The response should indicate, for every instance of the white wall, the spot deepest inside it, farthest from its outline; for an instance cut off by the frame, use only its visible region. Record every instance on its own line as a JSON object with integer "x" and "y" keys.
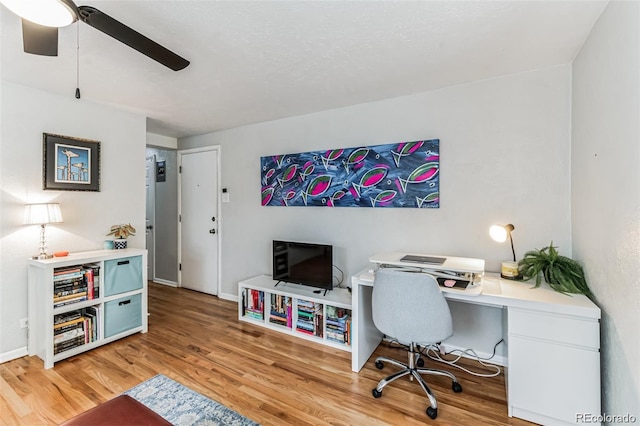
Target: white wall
{"x": 25, "y": 114}
{"x": 505, "y": 155}
{"x": 161, "y": 141}
{"x": 504, "y": 158}
{"x": 606, "y": 193}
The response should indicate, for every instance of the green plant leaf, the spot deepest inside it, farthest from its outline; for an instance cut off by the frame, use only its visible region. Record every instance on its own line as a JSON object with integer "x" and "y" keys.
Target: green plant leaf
{"x": 562, "y": 273}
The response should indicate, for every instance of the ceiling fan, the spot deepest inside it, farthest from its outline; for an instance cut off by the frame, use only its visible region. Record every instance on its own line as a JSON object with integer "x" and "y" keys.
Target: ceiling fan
{"x": 42, "y": 18}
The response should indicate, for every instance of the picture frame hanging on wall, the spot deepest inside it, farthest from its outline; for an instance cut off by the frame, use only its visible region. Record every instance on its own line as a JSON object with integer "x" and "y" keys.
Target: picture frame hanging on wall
{"x": 402, "y": 174}
{"x": 70, "y": 164}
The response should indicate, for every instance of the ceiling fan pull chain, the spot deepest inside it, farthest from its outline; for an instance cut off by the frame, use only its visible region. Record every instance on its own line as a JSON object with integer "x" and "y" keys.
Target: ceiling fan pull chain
{"x": 78, "y": 60}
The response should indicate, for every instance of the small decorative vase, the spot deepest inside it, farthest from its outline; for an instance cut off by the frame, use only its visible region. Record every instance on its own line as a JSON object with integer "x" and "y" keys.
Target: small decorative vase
{"x": 120, "y": 244}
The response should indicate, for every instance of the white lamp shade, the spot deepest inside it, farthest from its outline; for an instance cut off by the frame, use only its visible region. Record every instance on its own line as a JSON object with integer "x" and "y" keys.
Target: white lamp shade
{"x": 498, "y": 233}
{"x": 50, "y": 13}
{"x": 41, "y": 214}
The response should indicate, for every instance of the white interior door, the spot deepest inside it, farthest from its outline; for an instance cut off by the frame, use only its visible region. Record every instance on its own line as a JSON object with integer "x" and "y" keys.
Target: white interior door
{"x": 150, "y": 179}
{"x": 199, "y": 219}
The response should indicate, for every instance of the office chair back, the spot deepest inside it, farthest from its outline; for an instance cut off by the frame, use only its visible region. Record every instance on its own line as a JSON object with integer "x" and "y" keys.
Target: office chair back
{"x": 410, "y": 307}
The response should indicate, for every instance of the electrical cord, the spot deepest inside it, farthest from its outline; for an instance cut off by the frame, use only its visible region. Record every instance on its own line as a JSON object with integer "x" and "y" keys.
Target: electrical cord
{"x": 341, "y": 279}
{"x": 434, "y": 353}
{"x": 437, "y": 356}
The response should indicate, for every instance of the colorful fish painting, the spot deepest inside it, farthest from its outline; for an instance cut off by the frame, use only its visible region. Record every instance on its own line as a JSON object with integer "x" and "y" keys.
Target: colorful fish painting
{"x": 316, "y": 187}
{"x": 267, "y": 195}
{"x": 383, "y": 198}
{"x": 425, "y": 172}
{"x": 370, "y": 178}
{"x": 356, "y": 158}
{"x": 330, "y": 156}
{"x": 307, "y": 169}
{"x": 405, "y": 149}
{"x": 404, "y": 174}
{"x": 288, "y": 174}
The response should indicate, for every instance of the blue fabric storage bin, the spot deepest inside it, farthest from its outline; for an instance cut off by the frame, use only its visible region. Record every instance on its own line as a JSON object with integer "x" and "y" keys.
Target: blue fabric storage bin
{"x": 122, "y": 315}
{"x": 122, "y": 275}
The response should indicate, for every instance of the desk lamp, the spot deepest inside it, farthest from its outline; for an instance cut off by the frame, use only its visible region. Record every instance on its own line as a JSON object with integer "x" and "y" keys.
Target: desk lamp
{"x": 499, "y": 233}
{"x": 42, "y": 214}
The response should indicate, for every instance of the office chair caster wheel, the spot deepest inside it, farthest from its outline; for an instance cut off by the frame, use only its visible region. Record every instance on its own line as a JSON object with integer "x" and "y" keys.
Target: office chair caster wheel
{"x": 376, "y": 393}
{"x": 379, "y": 365}
{"x": 457, "y": 388}
{"x": 432, "y": 412}
{"x": 420, "y": 362}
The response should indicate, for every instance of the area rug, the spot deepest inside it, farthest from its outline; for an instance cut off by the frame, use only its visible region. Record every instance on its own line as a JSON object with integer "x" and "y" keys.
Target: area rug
{"x": 182, "y": 406}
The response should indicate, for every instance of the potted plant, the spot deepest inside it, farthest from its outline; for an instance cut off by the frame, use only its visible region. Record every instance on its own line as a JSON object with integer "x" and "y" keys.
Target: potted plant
{"x": 121, "y": 233}
{"x": 563, "y": 274}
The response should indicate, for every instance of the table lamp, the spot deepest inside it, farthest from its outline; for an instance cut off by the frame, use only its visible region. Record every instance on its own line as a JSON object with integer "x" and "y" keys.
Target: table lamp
{"x": 500, "y": 233}
{"x": 42, "y": 214}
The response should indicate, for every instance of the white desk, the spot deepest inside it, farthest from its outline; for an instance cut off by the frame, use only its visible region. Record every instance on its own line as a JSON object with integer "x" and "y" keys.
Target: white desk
{"x": 553, "y": 345}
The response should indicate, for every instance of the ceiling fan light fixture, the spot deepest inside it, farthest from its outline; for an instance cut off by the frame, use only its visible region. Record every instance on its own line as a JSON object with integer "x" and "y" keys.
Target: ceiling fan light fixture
{"x": 49, "y": 13}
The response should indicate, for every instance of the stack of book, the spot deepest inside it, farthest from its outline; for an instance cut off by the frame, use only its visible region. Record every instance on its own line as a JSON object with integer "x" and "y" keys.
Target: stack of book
{"x": 280, "y": 313}
{"x": 75, "y": 328}
{"x": 253, "y": 303}
{"x": 339, "y": 325}
{"x": 75, "y": 284}
{"x": 309, "y": 318}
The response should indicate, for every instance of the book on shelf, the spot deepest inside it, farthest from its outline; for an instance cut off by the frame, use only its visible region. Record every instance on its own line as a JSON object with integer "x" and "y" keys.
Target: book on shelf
{"x": 253, "y": 314}
{"x": 66, "y": 317}
{"x": 253, "y": 300}
{"x": 66, "y": 270}
{"x": 70, "y": 295}
{"x": 92, "y": 279}
{"x": 66, "y": 302}
{"x": 63, "y": 336}
{"x": 281, "y": 310}
{"x": 88, "y": 279}
{"x": 76, "y": 284}
{"x": 76, "y": 328}
{"x": 68, "y": 290}
{"x": 309, "y": 317}
{"x": 93, "y": 315}
{"x": 66, "y": 325}
{"x": 67, "y": 276}
{"x": 69, "y": 344}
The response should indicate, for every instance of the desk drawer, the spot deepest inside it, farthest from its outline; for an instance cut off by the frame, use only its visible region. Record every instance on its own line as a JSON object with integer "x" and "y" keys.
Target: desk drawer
{"x": 569, "y": 330}
{"x": 122, "y": 315}
{"x": 121, "y": 275}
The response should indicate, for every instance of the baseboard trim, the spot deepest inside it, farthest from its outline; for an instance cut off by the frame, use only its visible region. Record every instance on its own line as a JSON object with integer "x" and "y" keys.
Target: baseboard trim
{"x": 165, "y": 282}
{"x": 226, "y": 296}
{"x": 14, "y": 354}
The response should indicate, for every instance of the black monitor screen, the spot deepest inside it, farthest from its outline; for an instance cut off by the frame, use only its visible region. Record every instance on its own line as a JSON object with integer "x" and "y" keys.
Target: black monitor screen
{"x": 303, "y": 263}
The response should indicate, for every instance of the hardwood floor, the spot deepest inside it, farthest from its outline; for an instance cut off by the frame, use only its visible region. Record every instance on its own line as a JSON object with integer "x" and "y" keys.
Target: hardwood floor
{"x": 269, "y": 377}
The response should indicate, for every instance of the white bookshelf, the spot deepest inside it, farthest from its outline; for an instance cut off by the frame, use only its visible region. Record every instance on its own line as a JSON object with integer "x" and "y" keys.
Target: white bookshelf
{"x": 121, "y": 303}
{"x": 336, "y": 300}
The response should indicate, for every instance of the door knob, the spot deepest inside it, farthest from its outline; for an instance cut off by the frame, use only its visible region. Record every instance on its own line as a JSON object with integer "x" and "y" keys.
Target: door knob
{"x": 213, "y": 219}
{"x": 212, "y": 231}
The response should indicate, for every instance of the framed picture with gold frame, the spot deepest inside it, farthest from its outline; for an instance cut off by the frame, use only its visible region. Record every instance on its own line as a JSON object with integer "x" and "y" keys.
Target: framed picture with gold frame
{"x": 70, "y": 164}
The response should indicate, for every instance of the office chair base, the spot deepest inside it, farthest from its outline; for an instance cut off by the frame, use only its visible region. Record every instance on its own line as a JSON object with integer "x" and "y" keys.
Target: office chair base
{"x": 432, "y": 412}
{"x": 414, "y": 373}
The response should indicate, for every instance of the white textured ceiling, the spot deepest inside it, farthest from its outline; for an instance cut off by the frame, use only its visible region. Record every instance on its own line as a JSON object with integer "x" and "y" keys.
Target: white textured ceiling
{"x": 254, "y": 61}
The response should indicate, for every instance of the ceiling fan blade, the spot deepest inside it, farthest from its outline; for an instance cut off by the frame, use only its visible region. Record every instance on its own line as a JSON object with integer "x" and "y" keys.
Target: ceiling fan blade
{"x": 38, "y": 39}
{"x": 130, "y": 37}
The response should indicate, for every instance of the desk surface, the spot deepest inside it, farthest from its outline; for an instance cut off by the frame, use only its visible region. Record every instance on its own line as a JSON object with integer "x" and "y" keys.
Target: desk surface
{"x": 499, "y": 292}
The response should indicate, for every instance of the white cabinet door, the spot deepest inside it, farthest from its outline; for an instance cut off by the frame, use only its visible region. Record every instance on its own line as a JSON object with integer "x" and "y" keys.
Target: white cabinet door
{"x": 554, "y": 367}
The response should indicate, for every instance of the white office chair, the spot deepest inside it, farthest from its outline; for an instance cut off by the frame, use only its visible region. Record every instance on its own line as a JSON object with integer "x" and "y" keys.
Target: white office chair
{"x": 409, "y": 307}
